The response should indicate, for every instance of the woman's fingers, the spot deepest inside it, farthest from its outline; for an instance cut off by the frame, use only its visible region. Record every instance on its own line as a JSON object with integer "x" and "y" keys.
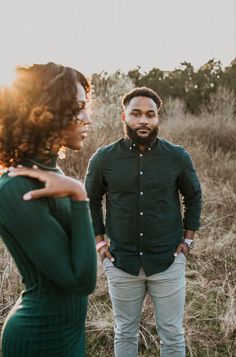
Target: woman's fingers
{"x": 56, "y": 185}
{"x": 34, "y": 173}
{"x": 50, "y": 180}
{"x": 32, "y": 195}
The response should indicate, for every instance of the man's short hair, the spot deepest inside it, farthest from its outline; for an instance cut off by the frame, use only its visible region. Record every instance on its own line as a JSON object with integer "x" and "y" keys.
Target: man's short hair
{"x": 141, "y": 92}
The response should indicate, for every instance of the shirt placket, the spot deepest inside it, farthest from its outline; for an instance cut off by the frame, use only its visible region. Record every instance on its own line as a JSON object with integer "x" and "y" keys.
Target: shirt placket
{"x": 141, "y": 207}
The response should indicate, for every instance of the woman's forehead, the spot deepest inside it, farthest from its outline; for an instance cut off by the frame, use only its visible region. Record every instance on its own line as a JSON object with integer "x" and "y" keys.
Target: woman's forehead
{"x": 81, "y": 94}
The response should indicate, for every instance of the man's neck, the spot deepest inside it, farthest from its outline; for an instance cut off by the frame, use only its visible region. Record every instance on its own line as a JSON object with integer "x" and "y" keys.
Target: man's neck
{"x": 142, "y": 147}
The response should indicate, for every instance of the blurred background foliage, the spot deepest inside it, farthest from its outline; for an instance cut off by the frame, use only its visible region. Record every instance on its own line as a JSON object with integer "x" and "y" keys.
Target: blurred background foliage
{"x": 199, "y": 113}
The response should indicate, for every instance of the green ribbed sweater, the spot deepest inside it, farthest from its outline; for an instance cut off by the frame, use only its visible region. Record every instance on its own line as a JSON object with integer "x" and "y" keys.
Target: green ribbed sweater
{"x": 52, "y": 243}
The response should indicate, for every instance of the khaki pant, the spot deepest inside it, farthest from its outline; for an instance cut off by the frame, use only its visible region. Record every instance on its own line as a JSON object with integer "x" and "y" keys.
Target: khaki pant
{"x": 167, "y": 291}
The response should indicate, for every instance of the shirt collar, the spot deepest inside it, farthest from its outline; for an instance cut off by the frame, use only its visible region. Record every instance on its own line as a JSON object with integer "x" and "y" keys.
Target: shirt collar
{"x": 131, "y": 145}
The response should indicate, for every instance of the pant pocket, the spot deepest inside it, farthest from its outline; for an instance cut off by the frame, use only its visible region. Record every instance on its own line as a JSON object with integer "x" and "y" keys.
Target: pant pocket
{"x": 183, "y": 256}
{"x": 107, "y": 263}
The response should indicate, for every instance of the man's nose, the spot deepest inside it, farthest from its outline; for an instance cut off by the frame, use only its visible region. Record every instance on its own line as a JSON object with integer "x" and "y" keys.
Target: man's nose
{"x": 143, "y": 119}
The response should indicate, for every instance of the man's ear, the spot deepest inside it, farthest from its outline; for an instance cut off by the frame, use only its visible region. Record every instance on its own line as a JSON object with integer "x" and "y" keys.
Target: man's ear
{"x": 123, "y": 116}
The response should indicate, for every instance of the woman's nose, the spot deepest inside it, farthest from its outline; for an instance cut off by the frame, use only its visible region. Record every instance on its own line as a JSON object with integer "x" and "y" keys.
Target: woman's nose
{"x": 84, "y": 117}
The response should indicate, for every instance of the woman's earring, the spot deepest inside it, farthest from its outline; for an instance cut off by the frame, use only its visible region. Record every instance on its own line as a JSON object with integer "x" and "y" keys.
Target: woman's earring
{"x": 62, "y": 153}
{"x": 47, "y": 149}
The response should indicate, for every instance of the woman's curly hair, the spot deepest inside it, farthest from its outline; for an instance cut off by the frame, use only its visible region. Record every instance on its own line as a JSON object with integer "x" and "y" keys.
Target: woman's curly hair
{"x": 35, "y": 110}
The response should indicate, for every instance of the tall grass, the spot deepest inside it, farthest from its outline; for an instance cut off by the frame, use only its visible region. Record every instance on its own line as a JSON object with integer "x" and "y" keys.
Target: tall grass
{"x": 210, "y": 318}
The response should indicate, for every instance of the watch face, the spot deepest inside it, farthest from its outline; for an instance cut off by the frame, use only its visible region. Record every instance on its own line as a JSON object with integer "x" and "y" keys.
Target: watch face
{"x": 191, "y": 245}
{"x": 189, "y": 242}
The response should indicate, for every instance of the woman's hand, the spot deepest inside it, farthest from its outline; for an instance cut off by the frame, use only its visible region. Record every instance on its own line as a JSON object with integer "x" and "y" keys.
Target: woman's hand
{"x": 56, "y": 185}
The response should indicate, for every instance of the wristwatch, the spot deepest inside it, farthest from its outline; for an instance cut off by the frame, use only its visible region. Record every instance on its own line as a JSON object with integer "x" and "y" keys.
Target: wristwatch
{"x": 189, "y": 242}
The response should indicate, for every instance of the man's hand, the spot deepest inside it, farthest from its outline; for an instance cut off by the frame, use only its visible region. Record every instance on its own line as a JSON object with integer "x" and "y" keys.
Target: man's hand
{"x": 104, "y": 252}
{"x": 182, "y": 247}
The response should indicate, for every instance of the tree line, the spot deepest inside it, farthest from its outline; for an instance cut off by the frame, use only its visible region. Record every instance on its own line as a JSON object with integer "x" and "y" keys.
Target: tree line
{"x": 194, "y": 88}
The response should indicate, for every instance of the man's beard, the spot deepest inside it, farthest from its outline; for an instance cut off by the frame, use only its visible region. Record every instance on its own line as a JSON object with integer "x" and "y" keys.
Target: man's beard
{"x": 133, "y": 135}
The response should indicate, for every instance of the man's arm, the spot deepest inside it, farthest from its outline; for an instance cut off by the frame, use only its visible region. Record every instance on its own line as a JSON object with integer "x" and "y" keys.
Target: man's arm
{"x": 96, "y": 187}
{"x": 188, "y": 234}
{"x": 189, "y": 187}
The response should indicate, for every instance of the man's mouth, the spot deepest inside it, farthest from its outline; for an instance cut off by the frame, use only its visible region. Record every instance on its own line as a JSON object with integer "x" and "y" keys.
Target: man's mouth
{"x": 143, "y": 130}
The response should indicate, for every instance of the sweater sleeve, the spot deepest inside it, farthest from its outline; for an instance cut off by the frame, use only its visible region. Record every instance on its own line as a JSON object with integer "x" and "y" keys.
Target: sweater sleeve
{"x": 190, "y": 188}
{"x": 96, "y": 188}
{"x": 70, "y": 262}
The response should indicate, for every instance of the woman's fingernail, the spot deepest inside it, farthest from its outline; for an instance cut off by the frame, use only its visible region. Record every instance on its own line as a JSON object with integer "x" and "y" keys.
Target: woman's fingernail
{"x": 35, "y": 167}
{"x": 27, "y": 197}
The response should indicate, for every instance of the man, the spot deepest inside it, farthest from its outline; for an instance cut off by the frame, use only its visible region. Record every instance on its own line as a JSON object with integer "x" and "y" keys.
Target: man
{"x": 143, "y": 177}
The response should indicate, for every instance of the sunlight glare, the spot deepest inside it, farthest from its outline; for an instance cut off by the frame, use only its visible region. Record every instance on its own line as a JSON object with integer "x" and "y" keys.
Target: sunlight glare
{"x": 7, "y": 75}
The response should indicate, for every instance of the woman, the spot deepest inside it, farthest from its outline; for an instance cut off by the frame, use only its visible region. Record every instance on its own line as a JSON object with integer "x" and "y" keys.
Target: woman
{"x": 44, "y": 215}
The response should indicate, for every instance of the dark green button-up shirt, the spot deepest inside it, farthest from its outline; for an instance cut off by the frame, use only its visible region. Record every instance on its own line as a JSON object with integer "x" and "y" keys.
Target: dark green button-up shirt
{"x": 144, "y": 216}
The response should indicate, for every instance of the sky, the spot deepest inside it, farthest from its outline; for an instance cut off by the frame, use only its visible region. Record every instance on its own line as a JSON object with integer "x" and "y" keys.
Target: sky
{"x": 107, "y": 35}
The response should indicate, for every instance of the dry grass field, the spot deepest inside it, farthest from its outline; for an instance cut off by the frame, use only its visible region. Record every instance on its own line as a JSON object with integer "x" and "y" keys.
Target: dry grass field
{"x": 210, "y": 319}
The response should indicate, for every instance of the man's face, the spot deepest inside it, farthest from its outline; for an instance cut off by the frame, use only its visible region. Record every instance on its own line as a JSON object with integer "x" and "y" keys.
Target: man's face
{"x": 141, "y": 120}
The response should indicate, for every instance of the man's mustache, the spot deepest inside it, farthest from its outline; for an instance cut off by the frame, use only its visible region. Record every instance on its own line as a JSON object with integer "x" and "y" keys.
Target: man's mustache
{"x": 142, "y": 127}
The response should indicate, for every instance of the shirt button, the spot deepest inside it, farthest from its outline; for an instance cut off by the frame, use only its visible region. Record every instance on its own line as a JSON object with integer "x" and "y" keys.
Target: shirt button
{"x": 141, "y": 193}
{"x": 130, "y": 148}
{"x": 141, "y": 155}
{"x": 141, "y": 213}
{"x": 141, "y": 234}
{"x": 141, "y": 172}
{"x": 149, "y": 149}
{"x": 141, "y": 253}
